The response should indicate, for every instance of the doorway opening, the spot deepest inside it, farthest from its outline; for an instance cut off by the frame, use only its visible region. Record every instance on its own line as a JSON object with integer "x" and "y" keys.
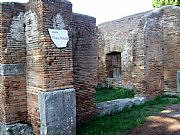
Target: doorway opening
{"x": 113, "y": 65}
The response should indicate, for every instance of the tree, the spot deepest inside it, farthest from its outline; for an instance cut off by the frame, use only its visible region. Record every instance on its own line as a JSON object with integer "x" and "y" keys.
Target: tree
{"x": 159, "y": 3}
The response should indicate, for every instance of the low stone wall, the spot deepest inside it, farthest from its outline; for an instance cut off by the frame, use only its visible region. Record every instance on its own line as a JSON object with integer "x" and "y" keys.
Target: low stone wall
{"x": 118, "y": 105}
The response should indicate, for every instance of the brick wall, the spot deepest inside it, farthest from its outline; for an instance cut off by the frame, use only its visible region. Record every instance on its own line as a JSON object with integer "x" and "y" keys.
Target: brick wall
{"x": 25, "y": 37}
{"x": 31, "y": 63}
{"x": 2, "y": 93}
{"x": 34, "y": 70}
{"x": 171, "y": 28}
{"x": 161, "y": 49}
{"x": 138, "y": 69}
{"x": 122, "y": 36}
{"x": 13, "y": 63}
{"x": 57, "y": 62}
{"x": 84, "y": 65}
{"x": 149, "y": 46}
{"x": 153, "y": 51}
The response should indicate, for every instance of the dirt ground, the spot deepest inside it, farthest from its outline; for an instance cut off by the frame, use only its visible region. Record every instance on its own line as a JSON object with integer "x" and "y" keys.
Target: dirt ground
{"x": 166, "y": 123}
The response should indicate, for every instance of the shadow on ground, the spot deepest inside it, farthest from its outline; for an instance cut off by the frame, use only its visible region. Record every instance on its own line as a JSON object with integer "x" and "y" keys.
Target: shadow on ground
{"x": 166, "y": 123}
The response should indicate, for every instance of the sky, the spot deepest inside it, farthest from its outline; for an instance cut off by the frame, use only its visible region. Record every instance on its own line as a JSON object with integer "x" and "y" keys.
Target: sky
{"x": 106, "y": 10}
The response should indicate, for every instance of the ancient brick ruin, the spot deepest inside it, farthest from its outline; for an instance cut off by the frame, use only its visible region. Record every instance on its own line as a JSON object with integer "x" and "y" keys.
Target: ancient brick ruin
{"x": 52, "y": 88}
{"x": 38, "y": 80}
{"x": 149, "y": 45}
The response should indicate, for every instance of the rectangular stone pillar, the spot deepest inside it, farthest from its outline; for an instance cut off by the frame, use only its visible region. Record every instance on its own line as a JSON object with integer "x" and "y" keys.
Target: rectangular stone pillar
{"x": 50, "y": 97}
{"x": 58, "y": 112}
{"x": 178, "y": 81}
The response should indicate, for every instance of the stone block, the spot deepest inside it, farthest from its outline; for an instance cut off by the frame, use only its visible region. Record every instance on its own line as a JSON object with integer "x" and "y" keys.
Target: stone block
{"x": 57, "y": 112}
{"x": 118, "y": 105}
{"x": 16, "y": 129}
{"x": 12, "y": 69}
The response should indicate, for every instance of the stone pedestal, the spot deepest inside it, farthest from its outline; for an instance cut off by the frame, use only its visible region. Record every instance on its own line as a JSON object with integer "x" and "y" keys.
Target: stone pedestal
{"x": 16, "y": 129}
{"x": 178, "y": 81}
{"x": 58, "y": 112}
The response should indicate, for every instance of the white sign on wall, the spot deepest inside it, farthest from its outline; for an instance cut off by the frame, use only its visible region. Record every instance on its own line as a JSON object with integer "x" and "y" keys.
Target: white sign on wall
{"x": 59, "y": 37}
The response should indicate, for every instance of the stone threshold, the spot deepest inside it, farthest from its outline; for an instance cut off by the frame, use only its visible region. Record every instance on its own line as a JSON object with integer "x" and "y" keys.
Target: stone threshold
{"x": 118, "y": 105}
{"x": 172, "y": 93}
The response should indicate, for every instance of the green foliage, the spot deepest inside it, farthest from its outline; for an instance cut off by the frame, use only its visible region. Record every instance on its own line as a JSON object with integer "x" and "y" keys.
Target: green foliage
{"x": 125, "y": 121}
{"x": 159, "y": 3}
{"x": 106, "y": 94}
{"x": 10, "y": 131}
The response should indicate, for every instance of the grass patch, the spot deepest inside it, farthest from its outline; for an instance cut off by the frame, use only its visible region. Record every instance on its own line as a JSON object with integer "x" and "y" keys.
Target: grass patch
{"x": 119, "y": 123}
{"x": 105, "y": 94}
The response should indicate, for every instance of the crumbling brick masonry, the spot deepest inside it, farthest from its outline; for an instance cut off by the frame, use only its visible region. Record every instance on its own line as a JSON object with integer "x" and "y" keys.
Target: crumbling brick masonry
{"x": 41, "y": 83}
{"x": 149, "y": 44}
{"x": 48, "y": 87}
